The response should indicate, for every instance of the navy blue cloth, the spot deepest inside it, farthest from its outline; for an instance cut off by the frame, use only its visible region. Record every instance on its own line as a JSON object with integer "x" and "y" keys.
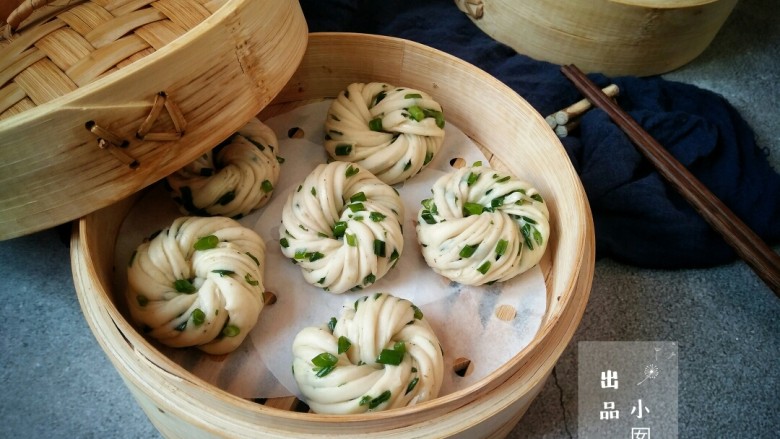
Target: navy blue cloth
{"x": 639, "y": 219}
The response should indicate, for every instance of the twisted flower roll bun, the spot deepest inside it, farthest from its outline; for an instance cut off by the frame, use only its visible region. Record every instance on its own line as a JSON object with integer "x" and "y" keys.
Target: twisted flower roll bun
{"x": 233, "y": 179}
{"x": 482, "y": 226}
{"x": 198, "y": 283}
{"x": 392, "y": 132}
{"x": 379, "y": 355}
{"x": 342, "y": 226}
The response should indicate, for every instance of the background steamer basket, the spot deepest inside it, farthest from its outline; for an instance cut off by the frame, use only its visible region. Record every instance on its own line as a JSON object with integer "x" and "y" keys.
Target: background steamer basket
{"x": 101, "y": 98}
{"x": 511, "y": 133}
{"x": 614, "y": 37}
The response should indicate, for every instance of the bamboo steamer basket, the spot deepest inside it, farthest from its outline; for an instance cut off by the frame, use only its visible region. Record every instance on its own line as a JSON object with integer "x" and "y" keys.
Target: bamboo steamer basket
{"x": 512, "y": 135}
{"x": 614, "y": 37}
{"x": 101, "y": 98}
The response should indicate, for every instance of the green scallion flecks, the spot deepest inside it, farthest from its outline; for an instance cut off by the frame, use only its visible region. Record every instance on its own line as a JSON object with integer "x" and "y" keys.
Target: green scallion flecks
{"x": 416, "y": 113}
{"x": 343, "y": 344}
{"x": 324, "y": 363}
{"x": 198, "y": 317}
{"x": 468, "y": 250}
{"x": 351, "y": 170}
{"x": 184, "y": 286}
{"x": 250, "y": 280}
{"x": 343, "y": 149}
{"x": 231, "y": 330}
{"x": 206, "y": 243}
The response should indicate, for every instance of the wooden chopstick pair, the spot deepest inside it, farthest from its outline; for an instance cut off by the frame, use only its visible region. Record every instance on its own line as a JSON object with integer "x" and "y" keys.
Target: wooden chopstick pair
{"x": 749, "y": 246}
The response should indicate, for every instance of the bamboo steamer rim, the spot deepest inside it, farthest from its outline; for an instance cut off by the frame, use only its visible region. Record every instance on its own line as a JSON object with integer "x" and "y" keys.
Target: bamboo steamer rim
{"x": 575, "y": 289}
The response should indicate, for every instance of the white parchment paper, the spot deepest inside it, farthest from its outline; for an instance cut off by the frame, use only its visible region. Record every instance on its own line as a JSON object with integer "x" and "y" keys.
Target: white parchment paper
{"x": 463, "y": 317}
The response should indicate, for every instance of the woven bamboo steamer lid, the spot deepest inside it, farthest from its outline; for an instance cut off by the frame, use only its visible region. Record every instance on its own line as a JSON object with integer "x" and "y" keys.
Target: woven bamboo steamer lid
{"x": 615, "y": 37}
{"x": 514, "y": 137}
{"x": 101, "y": 98}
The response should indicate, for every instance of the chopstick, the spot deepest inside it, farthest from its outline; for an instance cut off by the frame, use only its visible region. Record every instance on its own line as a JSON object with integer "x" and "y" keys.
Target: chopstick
{"x": 749, "y": 246}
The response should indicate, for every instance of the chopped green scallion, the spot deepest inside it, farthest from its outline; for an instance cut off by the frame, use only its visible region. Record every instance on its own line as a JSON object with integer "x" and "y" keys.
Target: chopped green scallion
{"x": 501, "y": 247}
{"x": 357, "y": 207}
{"x": 468, "y": 250}
{"x": 332, "y": 323}
{"x": 257, "y": 261}
{"x": 360, "y": 196}
{"x": 227, "y": 198}
{"x": 413, "y": 96}
{"x": 472, "y": 178}
{"x": 231, "y": 331}
{"x": 418, "y": 314}
{"x": 284, "y": 242}
{"x": 526, "y": 231}
{"x": 343, "y": 149}
{"x": 436, "y": 115}
{"x": 376, "y": 402}
{"x": 351, "y": 240}
{"x": 484, "y": 267}
{"x": 223, "y": 273}
{"x": 416, "y": 113}
{"x": 339, "y": 228}
{"x": 472, "y": 209}
{"x": 184, "y": 286}
{"x": 377, "y": 217}
{"x": 267, "y": 186}
{"x": 412, "y": 385}
{"x": 379, "y": 248}
{"x": 344, "y": 344}
{"x": 198, "y": 316}
{"x": 375, "y": 124}
{"x": 390, "y": 357}
{"x": 206, "y": 243}
{"x": 250, "y": 280}
{"x": 324, "y": 363}
{"x": 351, "y": 171}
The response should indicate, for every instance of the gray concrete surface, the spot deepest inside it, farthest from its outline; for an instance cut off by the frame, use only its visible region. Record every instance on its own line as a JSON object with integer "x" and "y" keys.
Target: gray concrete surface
{"x": 58, "y": 383}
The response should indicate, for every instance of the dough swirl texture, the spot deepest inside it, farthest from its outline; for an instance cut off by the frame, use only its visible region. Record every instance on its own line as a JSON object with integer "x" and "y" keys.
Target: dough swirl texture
{"x": 380, "y": 354}
{"x": 198, "y": 283}
{"x": 392, "y": 132}
{"x": 342, "y": 226}
{"x": 233, "y": 179}
{"x": 482, "y": 226}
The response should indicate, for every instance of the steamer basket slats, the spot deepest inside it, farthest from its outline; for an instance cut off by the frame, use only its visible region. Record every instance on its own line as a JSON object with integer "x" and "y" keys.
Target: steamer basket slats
{"x": 180, "y": 404}
{"x": 102, "y": 63}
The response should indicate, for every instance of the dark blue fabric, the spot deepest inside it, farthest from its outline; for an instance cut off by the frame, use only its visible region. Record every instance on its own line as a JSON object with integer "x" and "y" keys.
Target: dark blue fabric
{"x": 639, "y": 219}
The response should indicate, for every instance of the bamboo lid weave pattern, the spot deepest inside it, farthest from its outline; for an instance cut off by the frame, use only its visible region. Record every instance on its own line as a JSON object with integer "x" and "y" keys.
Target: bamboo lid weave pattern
{"x": 87, "y": 41}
